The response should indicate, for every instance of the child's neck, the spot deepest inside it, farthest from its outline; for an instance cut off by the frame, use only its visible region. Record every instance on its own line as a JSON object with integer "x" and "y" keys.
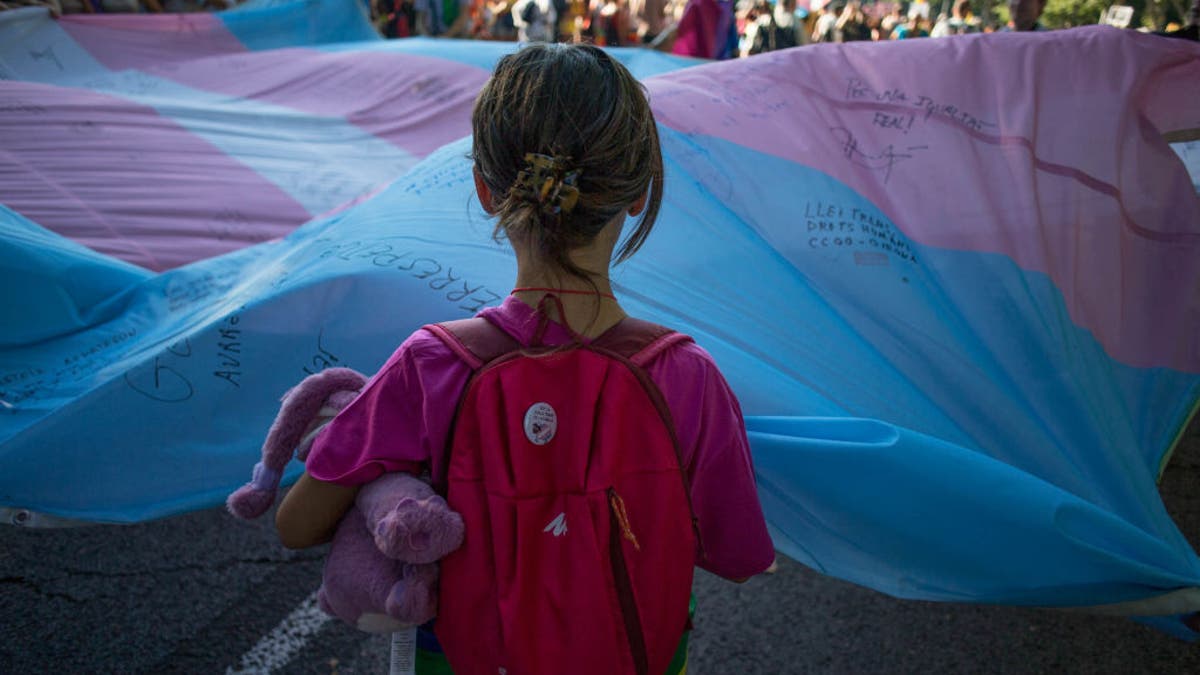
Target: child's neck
{"x": 590, "y": 310}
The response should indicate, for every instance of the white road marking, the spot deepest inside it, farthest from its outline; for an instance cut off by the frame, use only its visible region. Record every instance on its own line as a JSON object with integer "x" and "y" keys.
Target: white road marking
{"x": 281, "y": 645}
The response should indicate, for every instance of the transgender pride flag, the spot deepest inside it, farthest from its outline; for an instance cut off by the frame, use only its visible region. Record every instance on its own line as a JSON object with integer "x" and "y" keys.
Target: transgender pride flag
{"x": 955, "y": 283}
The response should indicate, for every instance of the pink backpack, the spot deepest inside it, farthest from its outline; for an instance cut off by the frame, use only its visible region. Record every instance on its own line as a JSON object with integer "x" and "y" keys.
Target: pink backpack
{"x": 580, "y": 539}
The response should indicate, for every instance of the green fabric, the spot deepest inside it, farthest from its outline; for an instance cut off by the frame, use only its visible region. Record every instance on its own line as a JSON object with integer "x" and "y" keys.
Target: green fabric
{"x": 432, "y": 663}
{"x": 679, "y": 662}
{"x": 450, "y": 9}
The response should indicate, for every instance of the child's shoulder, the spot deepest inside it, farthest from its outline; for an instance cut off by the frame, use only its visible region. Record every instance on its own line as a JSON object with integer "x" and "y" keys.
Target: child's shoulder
{"x": 425, "y": 343}
{"x": 421, "y": 350}
{"x": 684, "y": 356}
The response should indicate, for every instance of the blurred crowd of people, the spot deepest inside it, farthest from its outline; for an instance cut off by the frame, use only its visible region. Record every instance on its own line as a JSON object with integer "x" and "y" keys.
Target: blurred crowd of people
{"x": 703, "y": 28}
{"x": 713, "y": 29}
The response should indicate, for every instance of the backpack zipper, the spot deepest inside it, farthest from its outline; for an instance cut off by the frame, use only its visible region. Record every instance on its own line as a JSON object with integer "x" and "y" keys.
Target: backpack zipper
{"x": 660, "y": 404}
{"x": 619, "y": 529}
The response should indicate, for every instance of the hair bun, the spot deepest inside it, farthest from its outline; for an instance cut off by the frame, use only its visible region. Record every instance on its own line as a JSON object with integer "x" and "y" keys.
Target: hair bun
{"x": 547, "y": 181}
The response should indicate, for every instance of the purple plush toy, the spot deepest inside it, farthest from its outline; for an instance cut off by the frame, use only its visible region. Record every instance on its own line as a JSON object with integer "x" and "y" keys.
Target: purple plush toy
{"x": 381, "y": 573}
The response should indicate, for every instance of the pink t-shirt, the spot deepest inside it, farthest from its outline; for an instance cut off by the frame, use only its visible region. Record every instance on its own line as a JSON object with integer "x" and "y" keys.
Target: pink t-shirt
{"x": 401, "y": 422}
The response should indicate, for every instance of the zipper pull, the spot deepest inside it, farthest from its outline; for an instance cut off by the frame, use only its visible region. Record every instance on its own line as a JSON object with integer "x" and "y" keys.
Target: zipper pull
{"x": 618, "y": 508}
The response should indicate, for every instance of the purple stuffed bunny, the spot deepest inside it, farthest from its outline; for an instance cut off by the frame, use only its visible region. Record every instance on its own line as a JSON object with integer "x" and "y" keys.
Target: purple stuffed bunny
{"x": 381, "y": 573}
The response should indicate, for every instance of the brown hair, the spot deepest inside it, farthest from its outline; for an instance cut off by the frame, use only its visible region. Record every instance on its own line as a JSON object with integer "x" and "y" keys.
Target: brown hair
{"x": 575, "y": 104}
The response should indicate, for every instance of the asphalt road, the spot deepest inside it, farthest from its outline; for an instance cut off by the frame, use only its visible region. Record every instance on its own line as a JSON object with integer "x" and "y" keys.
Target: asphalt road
{"x": 204, "y": 593}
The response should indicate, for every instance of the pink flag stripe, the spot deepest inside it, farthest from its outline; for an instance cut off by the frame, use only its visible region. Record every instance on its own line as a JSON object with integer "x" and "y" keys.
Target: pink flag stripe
{"x": 993, "y": 153}
{"x": 193, "y": 201}
{"x": 418, "y": 103}
{"x": 140, "y": 41}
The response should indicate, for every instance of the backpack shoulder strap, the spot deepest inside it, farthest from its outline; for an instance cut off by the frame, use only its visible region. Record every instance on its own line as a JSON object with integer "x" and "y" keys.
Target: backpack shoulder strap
{"x": 639, "y": 341}
{"x": 476, "y": 341}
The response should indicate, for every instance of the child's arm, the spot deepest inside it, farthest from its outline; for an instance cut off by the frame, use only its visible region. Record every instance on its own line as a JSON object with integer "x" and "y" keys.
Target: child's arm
{"x": 311, "y": 510}
{"x": 385, "y": 429}
{"x": 770, "y": 570}
{"x": 734, "y": 542}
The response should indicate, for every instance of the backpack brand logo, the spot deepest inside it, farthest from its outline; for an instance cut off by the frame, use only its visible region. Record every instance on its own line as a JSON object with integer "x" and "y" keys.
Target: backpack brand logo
{"x": 540, "y": 423}
{"x": 558, "y": 526}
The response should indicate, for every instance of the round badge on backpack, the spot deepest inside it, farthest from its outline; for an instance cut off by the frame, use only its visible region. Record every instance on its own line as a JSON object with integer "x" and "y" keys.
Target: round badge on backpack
{"x": 540, "y": 423}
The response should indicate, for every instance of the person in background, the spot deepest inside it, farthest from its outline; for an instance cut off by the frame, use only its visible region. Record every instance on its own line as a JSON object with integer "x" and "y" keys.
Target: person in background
{"x": 707, "y": 30}
{"x": 873, "y": 22}
{"x": 774, "y": 29}
{"x": 825, "y": 29}
{"x": 577, "y": 23}
{"x": 564, "y": 11}
{"x": 395, "y": 18}
{"x": 1191, "y": 31}
{"x": 960, "y": 21}
{"x": 916, "y": 26}
{"x": 497, "y": 21}
{"x": 443, "y": 18}
{"x": 649, "y": 18}
{"x": 852, "y": 25}
{"x": 1024, "y": 15}
{"x": 536, "y": 20}
{"x": 611, "y": 24}
{"x": 893, "y": 20}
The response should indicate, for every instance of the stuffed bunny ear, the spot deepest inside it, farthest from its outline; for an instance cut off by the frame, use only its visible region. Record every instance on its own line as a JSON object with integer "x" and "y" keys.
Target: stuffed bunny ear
{"x": 301, "y": 409}
{"x": 333, "y": 405}
{"x": 254, "y": 498}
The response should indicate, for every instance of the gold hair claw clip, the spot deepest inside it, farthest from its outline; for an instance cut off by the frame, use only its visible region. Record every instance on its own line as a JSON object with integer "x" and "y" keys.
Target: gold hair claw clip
{"x": 546, "y": 181}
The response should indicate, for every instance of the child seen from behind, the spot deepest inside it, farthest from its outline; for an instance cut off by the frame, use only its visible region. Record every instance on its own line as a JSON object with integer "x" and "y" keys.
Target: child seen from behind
{"x": 595, "y": 458}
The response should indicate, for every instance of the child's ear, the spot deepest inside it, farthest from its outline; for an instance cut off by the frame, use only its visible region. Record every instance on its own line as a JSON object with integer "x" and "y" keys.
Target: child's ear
{"x": 485, "y": 194}
{"x": 638, "y": 205}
